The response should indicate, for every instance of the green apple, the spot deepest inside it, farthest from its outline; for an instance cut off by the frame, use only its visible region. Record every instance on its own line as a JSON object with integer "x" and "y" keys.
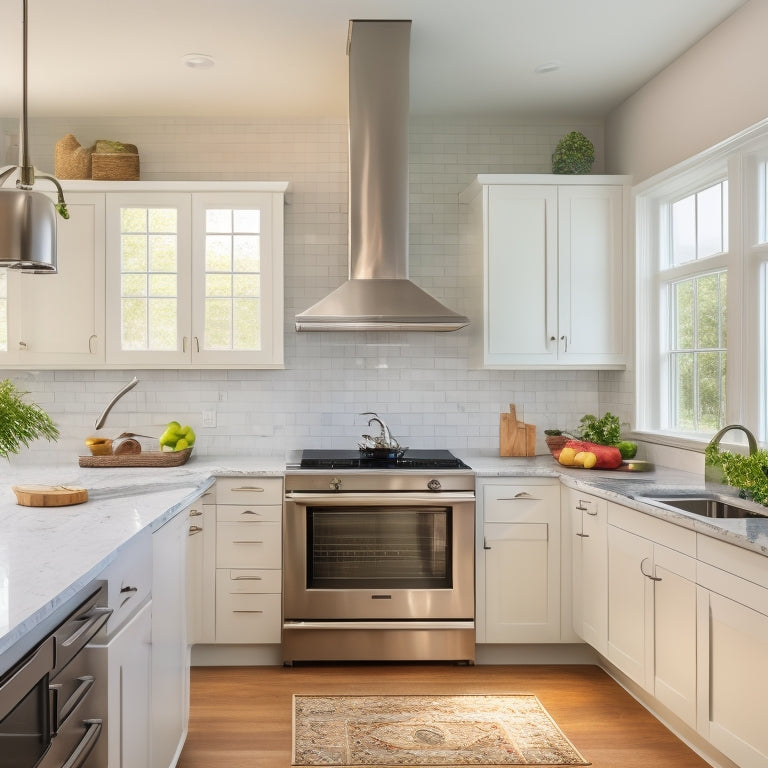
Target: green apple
{"x": 181, "y": 444}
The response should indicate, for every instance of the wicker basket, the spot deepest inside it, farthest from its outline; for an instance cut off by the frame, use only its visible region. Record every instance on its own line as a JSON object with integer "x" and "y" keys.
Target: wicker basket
{"x": 71, "y": 160}
{"x": 555, "y": 442}
{"x": 148, "y": 459}
{"x": 114, "y": 166}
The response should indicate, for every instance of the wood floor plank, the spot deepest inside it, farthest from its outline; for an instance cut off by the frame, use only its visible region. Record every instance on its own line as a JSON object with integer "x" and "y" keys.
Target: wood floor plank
{"x": 240, "y": 717}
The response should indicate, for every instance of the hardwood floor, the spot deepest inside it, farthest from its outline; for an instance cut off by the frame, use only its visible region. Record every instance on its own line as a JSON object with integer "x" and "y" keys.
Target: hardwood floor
{"x": 241, "y": 716}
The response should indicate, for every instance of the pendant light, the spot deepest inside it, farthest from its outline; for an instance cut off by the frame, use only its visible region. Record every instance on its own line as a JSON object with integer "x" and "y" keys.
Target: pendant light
{"x": 28, "y": 218}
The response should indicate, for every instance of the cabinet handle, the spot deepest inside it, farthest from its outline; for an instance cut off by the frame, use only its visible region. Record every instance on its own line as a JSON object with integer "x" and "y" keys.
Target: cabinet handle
{"x": 648, "y": 575}
{"x": 247, "y": 541}
{"x": 250, "y": 512}
{"x": 244, "y": 611}
{"x": 247, "y": 578}
{"x": 193, "y": 529}
{"x": 128, "y": 590}
{"x": 197, "y": 343}
{"x": 485, "y": 544}
{"x": 583, "y": 535}
{"x": 23, "y": 346}
{"x": 552, "y": 338}
{"x": 93, "y": 337}
{"x": 565, "y": 339}
{"x": 195, "y": 513}
{"x": 592, "y": 513}
{"x": 183, "y": 343}
{"x": 520, "y": 495}
{"x": 249, "y": 488}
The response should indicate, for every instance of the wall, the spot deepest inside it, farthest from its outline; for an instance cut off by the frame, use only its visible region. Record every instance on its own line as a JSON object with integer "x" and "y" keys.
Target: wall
{"x": 420, "y": 383}
{"x": 713, "y": 91}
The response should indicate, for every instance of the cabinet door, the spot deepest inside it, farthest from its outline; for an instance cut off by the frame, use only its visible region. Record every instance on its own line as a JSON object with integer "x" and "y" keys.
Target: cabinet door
{"x": 733, "y": 648}
{"x": 590, "y": 568}
{"x": 520, "y": 291}
{"x": 591, "y": 293}
{"x": 630, "y": 596}
{"x": 674, "y": 653}
{"x": 237, "y": 285}
{"x": 148, "y": 278}
{"x": 170, "y": 664}
{"x": 61, "y": 316}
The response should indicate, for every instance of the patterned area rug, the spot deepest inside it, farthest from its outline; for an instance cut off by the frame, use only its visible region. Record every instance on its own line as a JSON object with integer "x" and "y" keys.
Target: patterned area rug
{"x": 462, "y": 730}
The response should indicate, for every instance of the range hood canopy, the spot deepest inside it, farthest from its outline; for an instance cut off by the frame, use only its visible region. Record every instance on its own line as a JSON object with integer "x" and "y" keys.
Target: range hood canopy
{"x": 378, "y": 296}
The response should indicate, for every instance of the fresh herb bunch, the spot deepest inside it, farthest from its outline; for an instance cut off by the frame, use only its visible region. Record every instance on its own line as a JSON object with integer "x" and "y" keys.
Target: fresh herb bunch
{"x": 604, "y": 431}
{"x": 21, "y": 422}
{"x": 748, "y": 473}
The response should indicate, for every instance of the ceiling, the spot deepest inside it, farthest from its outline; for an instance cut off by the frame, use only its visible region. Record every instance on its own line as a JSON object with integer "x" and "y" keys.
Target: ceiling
{"x": 287, "y": 58}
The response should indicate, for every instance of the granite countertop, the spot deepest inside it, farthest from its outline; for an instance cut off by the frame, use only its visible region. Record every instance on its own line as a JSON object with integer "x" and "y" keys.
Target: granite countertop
{"x": 47, "y": 554}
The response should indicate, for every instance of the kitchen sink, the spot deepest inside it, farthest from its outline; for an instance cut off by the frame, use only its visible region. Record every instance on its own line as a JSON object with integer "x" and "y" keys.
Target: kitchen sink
{"x": 711, "y": 506}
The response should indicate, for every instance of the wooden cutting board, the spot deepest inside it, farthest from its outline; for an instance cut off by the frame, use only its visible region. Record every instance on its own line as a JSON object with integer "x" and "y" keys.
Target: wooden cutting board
{"x": 515, "y": 437}
{"x": 49, "y": 495}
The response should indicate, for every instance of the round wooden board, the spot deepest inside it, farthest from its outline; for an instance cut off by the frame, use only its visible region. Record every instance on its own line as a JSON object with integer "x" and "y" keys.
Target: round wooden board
{"x": 49, "y": 495}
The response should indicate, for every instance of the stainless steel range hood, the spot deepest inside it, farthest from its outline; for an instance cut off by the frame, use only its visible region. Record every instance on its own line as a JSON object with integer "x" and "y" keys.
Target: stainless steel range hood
{"x": 378, "y": 295}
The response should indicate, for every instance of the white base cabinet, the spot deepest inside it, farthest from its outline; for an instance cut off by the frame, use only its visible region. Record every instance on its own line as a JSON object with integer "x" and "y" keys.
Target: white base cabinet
{"x": 732, "y": 651}
{"x": 518, "y": 564}
{"x": 652, "y": 607}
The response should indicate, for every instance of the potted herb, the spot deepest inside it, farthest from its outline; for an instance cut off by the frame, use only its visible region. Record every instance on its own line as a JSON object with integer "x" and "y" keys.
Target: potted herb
{"x": 21, "y": 422}
{"x": 574, "y": 153}
{"x": 606, "y": 430}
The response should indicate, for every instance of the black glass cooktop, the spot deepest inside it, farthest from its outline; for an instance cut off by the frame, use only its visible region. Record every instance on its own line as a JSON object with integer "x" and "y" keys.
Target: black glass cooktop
{"x": 410, "y": 459}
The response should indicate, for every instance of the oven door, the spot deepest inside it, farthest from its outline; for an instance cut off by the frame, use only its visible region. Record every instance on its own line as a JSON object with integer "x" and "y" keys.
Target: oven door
{"x": 394, "y": 556}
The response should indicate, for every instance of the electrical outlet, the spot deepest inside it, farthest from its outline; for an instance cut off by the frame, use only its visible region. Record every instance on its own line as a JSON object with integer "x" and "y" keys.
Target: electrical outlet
{"x": 209, "y": 418}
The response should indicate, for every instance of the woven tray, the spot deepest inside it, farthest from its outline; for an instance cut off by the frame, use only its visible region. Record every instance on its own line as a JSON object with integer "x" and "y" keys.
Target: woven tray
{"x": 148, "y": 459}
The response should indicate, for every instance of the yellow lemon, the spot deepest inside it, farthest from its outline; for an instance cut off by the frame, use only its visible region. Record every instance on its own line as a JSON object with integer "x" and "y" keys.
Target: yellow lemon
{"x": 567, "y": 456}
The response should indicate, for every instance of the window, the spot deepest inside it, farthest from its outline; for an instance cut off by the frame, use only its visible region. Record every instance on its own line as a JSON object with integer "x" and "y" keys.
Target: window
{"x": 702, "y": 293}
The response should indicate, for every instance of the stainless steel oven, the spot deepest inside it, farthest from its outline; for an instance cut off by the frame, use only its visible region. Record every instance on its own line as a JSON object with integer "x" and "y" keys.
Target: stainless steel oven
{"x": 379, "y": 562}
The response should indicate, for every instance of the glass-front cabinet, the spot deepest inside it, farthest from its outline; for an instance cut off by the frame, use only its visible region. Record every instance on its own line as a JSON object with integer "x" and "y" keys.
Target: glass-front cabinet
{"x": 155, "y": 275}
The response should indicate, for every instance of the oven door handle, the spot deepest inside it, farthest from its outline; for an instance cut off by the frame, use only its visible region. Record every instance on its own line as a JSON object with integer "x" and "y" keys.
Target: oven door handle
{"x": 24, "y": 679}
{"x": 393, "y": 499}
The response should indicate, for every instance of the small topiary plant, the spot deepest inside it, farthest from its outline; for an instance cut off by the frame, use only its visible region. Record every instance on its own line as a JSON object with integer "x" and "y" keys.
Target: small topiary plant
{"x": 574, "y": 153}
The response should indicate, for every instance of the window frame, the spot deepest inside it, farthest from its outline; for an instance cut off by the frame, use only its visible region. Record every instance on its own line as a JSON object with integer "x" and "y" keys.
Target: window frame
{"x": 743, "y": 161}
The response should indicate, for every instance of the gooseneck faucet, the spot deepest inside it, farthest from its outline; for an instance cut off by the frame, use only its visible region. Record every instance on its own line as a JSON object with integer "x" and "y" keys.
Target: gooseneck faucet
{"x": 127, "y": 388}
{"x": 714, "y": 474}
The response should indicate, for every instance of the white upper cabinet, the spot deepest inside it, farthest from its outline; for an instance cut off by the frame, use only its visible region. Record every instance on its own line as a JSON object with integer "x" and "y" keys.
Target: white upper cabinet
{"x": 58, "y": 319}
{"x": 548, "y": 270}
{"x": 155, "y": 275}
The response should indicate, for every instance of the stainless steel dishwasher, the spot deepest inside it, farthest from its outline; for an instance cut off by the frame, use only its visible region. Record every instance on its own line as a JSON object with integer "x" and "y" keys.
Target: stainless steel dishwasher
{"x": 48, "y": 715}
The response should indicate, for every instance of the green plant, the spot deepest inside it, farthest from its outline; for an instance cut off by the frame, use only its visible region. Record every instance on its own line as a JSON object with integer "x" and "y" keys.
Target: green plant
{"x": 574, "y": 153}
{"x": 748, "y": 473}
{"x": 605, "y": 430}
{"x": 21, "y": 422}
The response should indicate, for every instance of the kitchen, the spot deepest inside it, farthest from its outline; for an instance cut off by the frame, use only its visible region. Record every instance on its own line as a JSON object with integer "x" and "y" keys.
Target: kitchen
{"x": 421, "y": 382}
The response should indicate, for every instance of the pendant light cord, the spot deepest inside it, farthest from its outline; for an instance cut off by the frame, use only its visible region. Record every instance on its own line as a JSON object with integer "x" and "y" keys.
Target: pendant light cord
{"x": 27, "y": 172}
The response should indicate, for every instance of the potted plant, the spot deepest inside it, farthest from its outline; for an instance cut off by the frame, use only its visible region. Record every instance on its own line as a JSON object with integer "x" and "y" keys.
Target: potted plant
{"x": 574, "y": 153}
{"x": 20, "y": 421}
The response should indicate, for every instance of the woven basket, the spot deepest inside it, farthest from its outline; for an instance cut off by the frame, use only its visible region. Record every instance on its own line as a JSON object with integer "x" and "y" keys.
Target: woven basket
{"x": 119, "y": 166}
{"x": 555, "y": 442}
{"x": 71, "y": 160}
{"x": 148, "y": 459}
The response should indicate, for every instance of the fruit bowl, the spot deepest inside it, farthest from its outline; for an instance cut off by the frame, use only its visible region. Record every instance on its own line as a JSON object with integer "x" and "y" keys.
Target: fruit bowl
{"x": 145, "y": 459}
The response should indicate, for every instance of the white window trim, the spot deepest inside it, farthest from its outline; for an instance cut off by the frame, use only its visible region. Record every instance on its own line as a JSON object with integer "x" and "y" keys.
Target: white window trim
{"x": 737, "y": 158}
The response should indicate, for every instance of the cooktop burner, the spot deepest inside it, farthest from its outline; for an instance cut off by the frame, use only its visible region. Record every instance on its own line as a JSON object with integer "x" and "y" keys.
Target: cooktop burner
{"x": 411, "y": 459}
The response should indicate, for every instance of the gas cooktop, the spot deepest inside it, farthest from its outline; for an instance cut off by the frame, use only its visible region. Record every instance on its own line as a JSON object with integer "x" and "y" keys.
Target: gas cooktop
{"x": 410, "y": 459}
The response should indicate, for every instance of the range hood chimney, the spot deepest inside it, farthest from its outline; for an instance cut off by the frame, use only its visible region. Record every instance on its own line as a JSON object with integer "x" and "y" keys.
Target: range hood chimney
{"x": 378, "y": 296}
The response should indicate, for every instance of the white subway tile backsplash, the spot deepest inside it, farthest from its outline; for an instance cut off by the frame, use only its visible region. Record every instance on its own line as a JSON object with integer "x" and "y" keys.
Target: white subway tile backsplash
{"x": 420, "y": 383}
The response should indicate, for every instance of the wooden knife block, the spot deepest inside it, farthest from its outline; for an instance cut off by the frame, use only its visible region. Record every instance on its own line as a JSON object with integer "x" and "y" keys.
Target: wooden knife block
{"x": 515, "y": 437}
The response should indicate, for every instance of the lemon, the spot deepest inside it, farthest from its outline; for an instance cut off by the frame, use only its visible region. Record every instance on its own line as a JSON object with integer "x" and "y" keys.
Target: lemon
{"x": 567, "y": 455}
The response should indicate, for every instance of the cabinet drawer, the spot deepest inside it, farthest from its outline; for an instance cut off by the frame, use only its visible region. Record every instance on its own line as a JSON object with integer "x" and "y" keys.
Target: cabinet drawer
{"x": 649, "y": 527}
{"x": 511, "y": 503}
{"x": 248, "y": 618}
{"x": 244, "y": 513}
{"x": 129, "y": 579}
{"x": 245, "y": 581}
{"x": 248, "y": 545}
{"x": 249, "y": 490}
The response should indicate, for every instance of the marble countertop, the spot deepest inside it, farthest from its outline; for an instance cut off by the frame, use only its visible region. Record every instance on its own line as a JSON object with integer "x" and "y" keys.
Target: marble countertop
{"x": 48, "y": 553}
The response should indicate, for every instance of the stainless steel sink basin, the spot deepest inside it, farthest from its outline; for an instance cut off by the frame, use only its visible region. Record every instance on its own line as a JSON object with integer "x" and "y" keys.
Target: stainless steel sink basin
{"x": 721, "y": 507}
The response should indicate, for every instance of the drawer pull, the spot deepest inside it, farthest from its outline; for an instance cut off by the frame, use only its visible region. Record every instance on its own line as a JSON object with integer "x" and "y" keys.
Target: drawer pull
{"x": 195, "y": 513}
{"x": 246, "y": 578}
{"x": 249, "y": 488}
{"x": 247, "y": 541}
{"x": 193, "y": 529}
{"x": 244, "y": 611}
{"x": 250, "y": 512}
{"x": 590, "y": 512}
{"x": 518, "y": 496}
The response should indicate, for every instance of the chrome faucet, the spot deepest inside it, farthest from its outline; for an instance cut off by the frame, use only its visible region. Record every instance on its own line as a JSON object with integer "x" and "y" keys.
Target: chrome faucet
{"x": 127, "y": 388}
{"x": 384, "y": 440}
{"x": 714, "y": 474}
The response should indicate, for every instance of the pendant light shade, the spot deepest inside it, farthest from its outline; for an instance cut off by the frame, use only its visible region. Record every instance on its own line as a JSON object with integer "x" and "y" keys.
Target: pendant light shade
{"x": 28, "y": 218}
{"x": 27, "y": 231}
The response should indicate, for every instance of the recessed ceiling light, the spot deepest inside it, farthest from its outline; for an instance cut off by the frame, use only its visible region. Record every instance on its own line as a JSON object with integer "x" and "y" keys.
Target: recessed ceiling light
{"x": 547, "y": 66}
{"x": 198, "y": 60}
